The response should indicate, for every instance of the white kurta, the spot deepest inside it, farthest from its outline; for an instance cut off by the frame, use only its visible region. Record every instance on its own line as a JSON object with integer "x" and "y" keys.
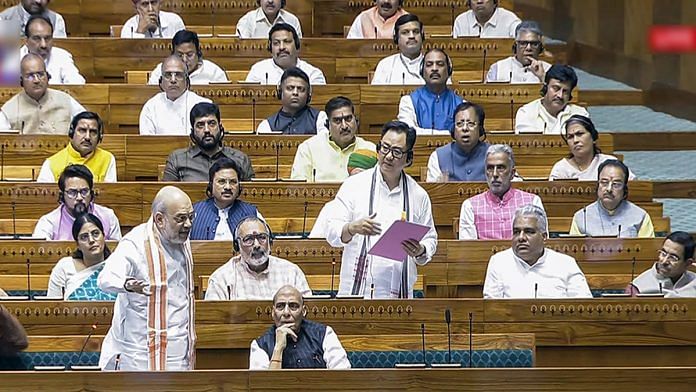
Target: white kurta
{"x": 268, "y": 72}
{"x": 207, "y": 73}
{"x": 161, "y": 116}
{"x": 564, "y": 170}
{"x": 60, "y": 65}
{"x": 351, "y": 203}
{"x": 255, "y": 24}
{"x": 555, "y": 275}
{"x": 398, "y": 69}
{"x": 533, "y": 118}
{"x": 170, "y": 24}
{"x": 500, "y": 72}
{"x": 650, "y": 282}
{"x": 502, "y": 24}
{"x": 128, "y": 334}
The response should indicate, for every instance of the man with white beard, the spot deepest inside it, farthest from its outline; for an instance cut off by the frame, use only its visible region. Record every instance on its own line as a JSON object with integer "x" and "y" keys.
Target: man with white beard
{"x": 254, "y": 274}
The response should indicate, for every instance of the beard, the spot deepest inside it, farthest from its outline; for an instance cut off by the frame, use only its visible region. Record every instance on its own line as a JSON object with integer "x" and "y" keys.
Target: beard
{"x": 257, "y": 258}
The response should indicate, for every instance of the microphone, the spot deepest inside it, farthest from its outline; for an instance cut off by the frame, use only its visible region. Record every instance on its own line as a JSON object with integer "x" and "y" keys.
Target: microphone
{"x": 633, "y": 270}
{"x": 118, "y": 362}
{"x": 471, "y": 344}
{"x": 452, "y": 14}
{"x": 333, "y": 273}
{"x": 212, "y": 11}
{"x": 425, "y": 360}
{"x": 29, "y": 279}
{"x": 304, "y": 221}
{"x": 14, "y": 221}
{"x": 448, "y": 320}
{"x": 403, "y": 78}
{"x": 229, "y": 292}
{"x": 21, "y": 131}
{"x": 584, "y": 217}
{"x": 277, "y": 161}
{"x": 314, "y": 174}
{"x": 2, "y": 162}
{"x": 512, "y": 114}
{"x": 266, "y": 77}
{"x": 372, "y": 291}
{"x": 510, "y": 75}
{"x": 479, "y": 28}
{"x": 618, "y": 235}
{"x": 132, "y": 32}
{"x": 660, "y": 287}
{"x": 536, "y": 288}
{"x": 82, "y": 350}
{"x": 376, "y": 32}
{"x": 253, "y": 113}
{"x": 483, "y": 67}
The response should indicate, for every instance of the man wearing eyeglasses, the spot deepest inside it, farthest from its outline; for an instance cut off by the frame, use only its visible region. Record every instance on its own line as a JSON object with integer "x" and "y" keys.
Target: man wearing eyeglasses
{"x": 485, "y": 19}
{"x": 167, "y": 112}
{"x": 324, "y": 157}
{"x": 366, "y": 205}
{"x": 76, "y": 196}
{"x": 150, "y": 22}
{"x": 28, "y": 8}
{"x": 194, "y": 163}
{"x": 524, "y": 65}
{"x": 151, "y": 271}
{"x": 186, "y": 45}
{"x": 254, "y": 274}
{"x": 294, "y": 342}
{"x": 38, "y": 109}
{"x": 59, "y": 62}
{"x": 612, "y": 214}
{"x": 670, "y": 274}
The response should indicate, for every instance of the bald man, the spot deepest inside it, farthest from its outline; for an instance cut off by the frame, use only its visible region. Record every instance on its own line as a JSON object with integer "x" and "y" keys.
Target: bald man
{"x": 151, "y": 270}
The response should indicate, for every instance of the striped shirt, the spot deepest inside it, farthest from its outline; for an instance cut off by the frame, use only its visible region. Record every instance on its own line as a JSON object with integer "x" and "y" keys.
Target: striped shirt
{"x": 486, "y": 217}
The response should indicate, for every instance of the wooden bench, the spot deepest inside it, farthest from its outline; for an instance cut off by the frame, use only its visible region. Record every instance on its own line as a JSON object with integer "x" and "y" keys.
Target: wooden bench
{"x": 142, "y": 77}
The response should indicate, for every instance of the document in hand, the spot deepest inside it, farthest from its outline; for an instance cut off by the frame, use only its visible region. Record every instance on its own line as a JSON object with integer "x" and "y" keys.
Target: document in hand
{"x": 389, "y": 245}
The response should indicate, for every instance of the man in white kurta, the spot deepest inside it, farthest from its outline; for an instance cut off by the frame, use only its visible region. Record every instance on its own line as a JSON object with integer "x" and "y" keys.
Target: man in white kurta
{"x": 355, "y": 225}
{"x": 257, "y": 22}
{"x": 151, "y": 270}
{"x": 486, "y": 19}
{"x": 403, "y": 67}
{"x": 59, "y": 62}
{"x": 150, "y": 22}
{"x": 670, "y": 274}
{"x": 21, "y": 15}
{"x": 187, "y": 45}
{"x": 524, "y": 65}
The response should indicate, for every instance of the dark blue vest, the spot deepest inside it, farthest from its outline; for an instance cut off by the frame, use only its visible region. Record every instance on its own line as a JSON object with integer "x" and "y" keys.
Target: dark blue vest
{"x": 462, "y": 166}
{"x": 435, "y": 111}
{"x": 303, "y": 122}
{"x": 207, "y": 218}
{"x": 306, "y": 353}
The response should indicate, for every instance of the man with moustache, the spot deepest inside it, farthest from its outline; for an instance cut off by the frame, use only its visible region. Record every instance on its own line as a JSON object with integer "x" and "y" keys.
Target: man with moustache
{"x": 76, "y": 196}
{"x": 489, "y": 215}
{"x": 27, "y": 8}
{"x": 549, "y": 113}
{"x": 256, "y": 23}
{"x": 186, "y": 45}
{"x": 254, "y": 274}
{"x": 403, "y": 67}
{"x": 150, "y": 22}
{"x": 59, "y": 62}
{"x": 151, "y": 271}
{"x": 324, "y": 157}
{"x": 377, "y": 22}
{"x": 38, "y": 109}
{"x": 193, "y": 163}
{"x": 430, "y": 109}
{"x": 612, "y": 214}
{"x": 485, "y": 19}
{"x": 530, "y": 270}
{"x": 524, "y": 65}
{"x": 295, "y": 342}
{"x": 86, "y": 132}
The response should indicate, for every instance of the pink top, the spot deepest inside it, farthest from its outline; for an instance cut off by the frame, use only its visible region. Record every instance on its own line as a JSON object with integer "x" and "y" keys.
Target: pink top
{"x": 493, "y": 216}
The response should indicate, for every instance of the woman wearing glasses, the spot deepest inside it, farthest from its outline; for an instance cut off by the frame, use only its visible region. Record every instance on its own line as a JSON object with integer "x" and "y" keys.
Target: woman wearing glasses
{"x": 74, "y": 278}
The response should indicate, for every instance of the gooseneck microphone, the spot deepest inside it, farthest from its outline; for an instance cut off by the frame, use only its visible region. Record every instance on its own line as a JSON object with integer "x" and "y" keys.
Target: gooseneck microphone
{"x": 425, "y": 360}
{"x": 633, "y": 270}
{"x": 253, "y": 115}
{"x": 448, "y": 320}
{"x": 277, "y": 169}
{"x": 483, "y": 67}
{"x": 304, "y": 221}
{"x": 333, "y": 273}
{"x": 84, "y": 345}
{"x": 512, "y": 114}
{"x": 14, "y": 221}
{"x": 2, "y": 162}
{"x": 29, "y": 279}
{"x": 471, "y": 341}
{"x": 536, "y": 288}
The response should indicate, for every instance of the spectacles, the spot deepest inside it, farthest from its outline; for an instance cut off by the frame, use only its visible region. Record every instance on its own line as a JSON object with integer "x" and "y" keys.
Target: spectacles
{"x": 41, "y": 75}
{"x": 467, "y": 124}
{"x": 280, "y": 306}
{"x": 533, "y": 44}
{"x": 396, "y": 152}
{"x": 661, "y": 253}
{"x": 226, "y": 181}
{"x": 72, "y": 193}
{"x": 249, "y": 240}
{"x": 614, "y": 185}
{"x": 203, "y": 124}
{"x": 183, "y": 218}
{"x": 94, "y": 234}
{"x": 174, "y": 75}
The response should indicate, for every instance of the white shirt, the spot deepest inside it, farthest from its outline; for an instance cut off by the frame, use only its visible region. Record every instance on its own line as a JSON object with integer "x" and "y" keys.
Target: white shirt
{"x": 650, "y": 282}
{"x": 255, "y": 24}
{"x": 222, "y": 231}
{"x": 235, "y": 281}
{"x": 502, "y": 24}
{"x": 170, "y": 24}
{"x": 46, "y": 174}
{"x": 21, "y": 15}
{"x": 265, "y": 126}
{"x": 352, "y": 203}
{"x": 398, "y": 69}
{"x": 407, "y": 114}
{"x": 207, "y": 73}
{"x": 334, "y": 354}
{"x": 60, "y": 65}
{"x": 533, "y": 118}
{"x": 500, "y": 72}
{"x": 161, "y": 116}
{"x": 554, "y": 275}
{"x": 268, "y": 72}
{"x": 564, "y": 170}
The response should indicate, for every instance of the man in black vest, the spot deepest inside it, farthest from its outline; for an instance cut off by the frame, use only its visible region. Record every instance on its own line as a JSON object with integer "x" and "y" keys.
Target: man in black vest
{"x": 296, "y": 343}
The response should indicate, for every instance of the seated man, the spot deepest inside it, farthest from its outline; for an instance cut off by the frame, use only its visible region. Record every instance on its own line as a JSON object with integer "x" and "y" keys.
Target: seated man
{"x": 524, "y": 65}
{"x": 528, "y": 269}
{"x": 464, "y": 159}
{"x": 150, "y": 22}
{"x": 294, "y": 342}
{"x": 13, "y": 339}
{"x": 193, "y": 163}
{"x": 612, "y": 214}
{"x": 166, "y": 113}
{"x": 21, "y": 13}
{"x": 201, "y": 71}
{"x": 488, "y": 215}
{"x": 284, "y": 45}
{"x": 256, "y": 23}
{"x": 86, "y": 132}
{"x": 549, "y": 113}
{"x": 430, "y": 109}
{"x": 377, "y": 22}
{"x": 295, "y": 116}
{"x": 76, "y": 196}
{"x": 254, "y": 274}
{"x": 670, "y": 274}
{"x": 324, "y": 157}
{"x": 221, "y": 212}
{"x": 59, "y": 62}
{"x": 38, "y": 109}
{"x": 485, "y": 19}
{"x": 403, "y": 67}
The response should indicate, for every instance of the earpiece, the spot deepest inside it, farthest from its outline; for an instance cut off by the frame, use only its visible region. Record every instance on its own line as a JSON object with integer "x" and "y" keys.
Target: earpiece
{"x": 279, "y": 94}
{"x": 21, "y": 81}
{"x": 236, "y": 242}
{"x": 450, "y": 66}
{"x": 396, "y": 32}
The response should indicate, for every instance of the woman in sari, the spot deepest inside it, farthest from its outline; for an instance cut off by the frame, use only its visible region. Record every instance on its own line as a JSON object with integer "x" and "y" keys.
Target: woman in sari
{"x": 75, "y": 277}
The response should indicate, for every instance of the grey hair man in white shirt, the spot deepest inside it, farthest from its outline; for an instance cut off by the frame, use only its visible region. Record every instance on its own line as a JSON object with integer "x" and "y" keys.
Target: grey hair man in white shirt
{"x": 485, "y": 19}
{"x": 257, "y": 22}
{"x": 150, "y": 22}
{"x": 524, "y": 65}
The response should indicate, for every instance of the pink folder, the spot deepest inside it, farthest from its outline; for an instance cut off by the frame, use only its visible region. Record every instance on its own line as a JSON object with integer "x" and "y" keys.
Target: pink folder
{"x": 389, "y": 245}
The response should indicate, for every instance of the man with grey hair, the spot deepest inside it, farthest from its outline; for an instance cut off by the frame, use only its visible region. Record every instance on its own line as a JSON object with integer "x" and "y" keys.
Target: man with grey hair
{"x": 167, "y": 113}
{"x": 151, "y": 270}
{"x": 524, "y": 65}
{"x": 530, "y": 270}
{"x": 488, "y": 216}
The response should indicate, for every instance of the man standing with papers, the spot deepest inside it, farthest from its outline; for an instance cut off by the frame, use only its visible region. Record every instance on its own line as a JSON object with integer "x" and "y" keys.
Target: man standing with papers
{"x": 366, "y": 205}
